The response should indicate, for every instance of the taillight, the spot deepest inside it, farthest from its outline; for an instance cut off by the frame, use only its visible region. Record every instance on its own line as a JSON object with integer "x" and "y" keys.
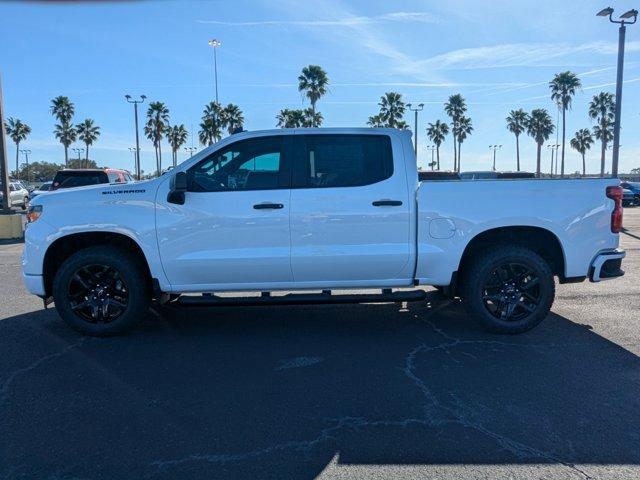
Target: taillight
{"x": 615, "y": 194}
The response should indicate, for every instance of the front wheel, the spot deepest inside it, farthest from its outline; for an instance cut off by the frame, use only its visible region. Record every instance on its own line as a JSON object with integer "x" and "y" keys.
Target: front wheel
{"x": 509, "y": 289}
{"x": 101, "y": 291}
{"x": 25, "y": 203}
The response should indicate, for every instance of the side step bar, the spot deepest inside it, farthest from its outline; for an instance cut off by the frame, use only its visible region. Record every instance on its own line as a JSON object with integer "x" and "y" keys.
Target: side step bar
{"x": 302, "y": 299}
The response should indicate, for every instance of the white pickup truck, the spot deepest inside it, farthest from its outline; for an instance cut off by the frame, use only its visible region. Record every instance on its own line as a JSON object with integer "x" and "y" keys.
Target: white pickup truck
{"x": 317, "y": 210}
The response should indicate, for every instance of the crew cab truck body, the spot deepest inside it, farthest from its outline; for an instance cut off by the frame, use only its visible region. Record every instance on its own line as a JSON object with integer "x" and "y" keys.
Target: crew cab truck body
{"x": 317, "y": 210}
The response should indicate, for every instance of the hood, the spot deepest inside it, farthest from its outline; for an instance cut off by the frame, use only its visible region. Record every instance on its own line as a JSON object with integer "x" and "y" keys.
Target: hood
{"x": 97, "y": 193}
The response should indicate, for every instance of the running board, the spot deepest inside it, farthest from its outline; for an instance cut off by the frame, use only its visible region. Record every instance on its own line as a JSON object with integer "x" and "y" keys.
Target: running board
{"x": 302, "y": 299}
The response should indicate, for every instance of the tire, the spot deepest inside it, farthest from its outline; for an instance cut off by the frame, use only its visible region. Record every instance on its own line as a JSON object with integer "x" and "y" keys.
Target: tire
{"x": 25, "y": 202}
{"x": 503, "y": 305}
{"x": 99, "y": 276}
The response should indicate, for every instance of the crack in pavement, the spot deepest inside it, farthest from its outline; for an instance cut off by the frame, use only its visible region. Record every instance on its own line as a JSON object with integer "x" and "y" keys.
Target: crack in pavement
{"x": 435, "y": 413}
{"x": 5, "y": 387}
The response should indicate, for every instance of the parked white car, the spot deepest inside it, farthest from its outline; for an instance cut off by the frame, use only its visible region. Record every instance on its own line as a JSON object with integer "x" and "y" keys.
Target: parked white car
{"x": 317, "y": 210}
{"x": 18, "y": 194}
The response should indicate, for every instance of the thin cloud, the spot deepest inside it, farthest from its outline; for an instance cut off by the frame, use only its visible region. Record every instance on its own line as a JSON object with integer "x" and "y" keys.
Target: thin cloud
{"x": 349, "y": 21}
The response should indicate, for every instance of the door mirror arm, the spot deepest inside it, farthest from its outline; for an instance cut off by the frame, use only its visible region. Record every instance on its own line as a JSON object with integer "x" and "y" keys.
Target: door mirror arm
{"x": 178, "y": 189}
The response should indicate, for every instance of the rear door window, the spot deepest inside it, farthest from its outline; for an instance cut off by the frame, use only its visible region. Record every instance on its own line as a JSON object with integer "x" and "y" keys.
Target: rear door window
{"x": 325, "y": 161}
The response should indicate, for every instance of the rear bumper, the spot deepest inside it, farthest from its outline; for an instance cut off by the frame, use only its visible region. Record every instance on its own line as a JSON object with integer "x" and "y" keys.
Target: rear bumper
{"x": 34, "y": 284}
{"x": 607, "y": 265}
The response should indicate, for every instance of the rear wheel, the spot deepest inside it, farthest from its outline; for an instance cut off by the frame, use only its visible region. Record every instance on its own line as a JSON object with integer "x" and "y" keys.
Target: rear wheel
{"x": 25, "y": 203}
{"x": 509, "y": 289}
{"x": 101, "y": 291}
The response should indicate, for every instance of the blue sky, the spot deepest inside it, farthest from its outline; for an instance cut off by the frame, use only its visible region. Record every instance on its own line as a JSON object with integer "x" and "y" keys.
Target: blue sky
{"x": 500, "y": 55}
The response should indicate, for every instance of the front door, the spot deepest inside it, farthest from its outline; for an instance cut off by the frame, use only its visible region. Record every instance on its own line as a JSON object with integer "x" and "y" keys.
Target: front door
{"x": 350, "y": 212}
{"x": 232, "y": 232}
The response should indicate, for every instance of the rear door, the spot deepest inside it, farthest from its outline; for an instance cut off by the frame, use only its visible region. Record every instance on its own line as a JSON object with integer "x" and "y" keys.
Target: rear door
{"x": 350, "y": 212}
{"x": 233, "y": 230}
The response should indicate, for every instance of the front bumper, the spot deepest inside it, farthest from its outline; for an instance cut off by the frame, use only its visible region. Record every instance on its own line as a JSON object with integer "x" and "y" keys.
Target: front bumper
{"x": 607, "y": 265}
{"x": 34, "y": 284}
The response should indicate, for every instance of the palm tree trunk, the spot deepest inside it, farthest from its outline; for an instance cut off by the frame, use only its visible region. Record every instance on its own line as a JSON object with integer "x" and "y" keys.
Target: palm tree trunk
{"x": 159, "y": 158}
{"x": 156, "y": 149}
{"x": 518, "y": 151}
{"x": 313, "y": 110}
{"x": 17, "y": 158}
{"x": 455, "y": 155}
{"x": 66, "y": 156}
{"x": 459, "y": 149}
{"x": 438, "y": 155}
{"x": 603, "y": 151}
{"x": 86, "y": 157}
{"x": 584, "y": 166}
{"x": 564, "y": 112}
{"x": 539, "y": 152}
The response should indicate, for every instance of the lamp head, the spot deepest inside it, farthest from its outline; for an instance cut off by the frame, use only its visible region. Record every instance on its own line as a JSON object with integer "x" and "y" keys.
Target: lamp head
{"x": 629, "y": 14}
{"x": 605, "y": 12}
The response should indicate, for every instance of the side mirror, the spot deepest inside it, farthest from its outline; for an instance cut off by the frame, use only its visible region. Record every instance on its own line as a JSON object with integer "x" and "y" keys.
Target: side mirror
{"x": 178, "y": 188}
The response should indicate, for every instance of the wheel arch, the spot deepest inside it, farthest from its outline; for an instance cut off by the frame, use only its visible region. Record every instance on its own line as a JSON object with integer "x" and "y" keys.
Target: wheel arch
{"x": 63, "y": 247}
{"x": 541, "y": 240}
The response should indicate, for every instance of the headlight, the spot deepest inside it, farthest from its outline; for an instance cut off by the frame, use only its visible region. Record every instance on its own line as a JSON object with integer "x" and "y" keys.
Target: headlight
{"x": 34, "y": 213}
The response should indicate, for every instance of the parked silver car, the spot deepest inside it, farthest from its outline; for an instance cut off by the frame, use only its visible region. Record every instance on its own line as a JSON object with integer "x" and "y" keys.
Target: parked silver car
{"x": 18, "y": 195}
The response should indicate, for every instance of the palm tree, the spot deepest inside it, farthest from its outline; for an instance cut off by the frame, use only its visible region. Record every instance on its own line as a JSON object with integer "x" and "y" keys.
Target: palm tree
{"x": 516, "y": 124}
{"x": 210, "y": 131}
{"x": 157, "y": 123}
{"x": 311, "y": 118}
{"x": 213, "y": 122}
{"x": 602, "y": 109}
{"x": 437, "y": 133}
{"x": 540, "y": 127}
{"x": 604, "y": 133}
{"x": 313, "y": 82}
{"x": 62, "y": 109}
{"x": 232, "y": 117}
{"x": 18, "y": 132}
{"x": 563, "y": 88}
{"x": 392, "y": 109}
{"x": 294, "y": 118}
{"x": 376, "y": 121}
{"x": 88, "y": 133}
{"x": 66, "y": 134}
{"x": 176, "y": 136}
{"x": 462, "y": 130}
{"x": 581, "y": 142}
{"x": 455, "y": 107}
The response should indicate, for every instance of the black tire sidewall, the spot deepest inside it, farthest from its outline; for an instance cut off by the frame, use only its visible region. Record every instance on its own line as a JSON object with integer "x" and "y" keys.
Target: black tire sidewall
{"x": 132, "y": 275}
{"x": 480, "y": 269}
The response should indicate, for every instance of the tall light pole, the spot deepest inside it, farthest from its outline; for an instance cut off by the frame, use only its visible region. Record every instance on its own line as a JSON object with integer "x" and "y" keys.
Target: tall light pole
{"x": 4, "y": 166}
{"x": 215, "y": 43}
{"x": 134, "y": 150}
{"x": 79, "y": 151}
{"x": 190, "y": 150}
{"x": 415, "y": 123}
{"x": 432, "y": 149}
{"x": 494, "y": 148}
{"x": 627, "y": 18}
{"x": 26, "y": 154}
{"x": 554, "y": 148}
{"x": 135, "y": 114}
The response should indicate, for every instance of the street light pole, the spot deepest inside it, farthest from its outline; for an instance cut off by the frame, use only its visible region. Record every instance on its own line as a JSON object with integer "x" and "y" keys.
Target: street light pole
{"x": 79, "y": 151}
{"x": 135, "y": 113}
{"x": 26, "y": 154}
{"x": 4, "y": 167}
{"x": 215, "y": 44}
{"x": 415, "y": 123}
{"x": 494, "y": 148}
{"x": 134, "y": 150}
{"x": 627, "y": 18}
{"x": 432, "y": 148}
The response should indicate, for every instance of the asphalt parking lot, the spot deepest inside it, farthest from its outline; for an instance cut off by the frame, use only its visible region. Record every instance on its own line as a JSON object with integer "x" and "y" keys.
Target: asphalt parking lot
{"x": 325, "y": 391}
